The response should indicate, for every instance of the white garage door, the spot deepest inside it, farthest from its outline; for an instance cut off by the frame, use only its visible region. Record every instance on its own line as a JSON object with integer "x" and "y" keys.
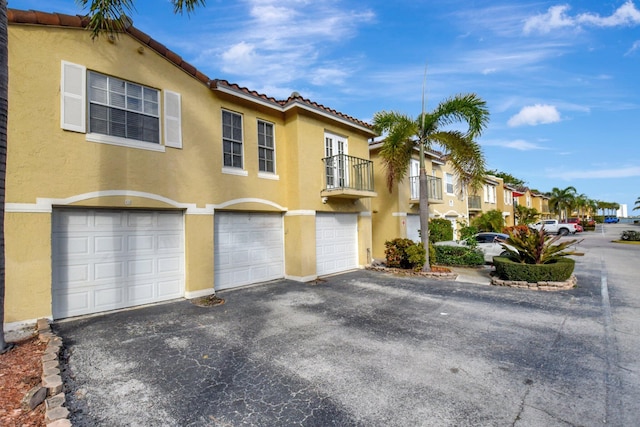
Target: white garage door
{"x": 248, "y": 248}
{"x": 413, "y": 228}
{"x": 104, "y": 259}
{"x": 336, "y": 243}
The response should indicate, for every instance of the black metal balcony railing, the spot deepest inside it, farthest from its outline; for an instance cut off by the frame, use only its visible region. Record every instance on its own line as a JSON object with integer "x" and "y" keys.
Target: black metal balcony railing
{"x": 434, "y": 187}
{"x": 346, "y": 172}
{"x": 475, "y": 203}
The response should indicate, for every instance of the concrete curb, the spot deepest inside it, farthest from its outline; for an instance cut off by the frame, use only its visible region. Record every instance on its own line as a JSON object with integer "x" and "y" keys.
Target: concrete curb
{"x": 56, "y": 414}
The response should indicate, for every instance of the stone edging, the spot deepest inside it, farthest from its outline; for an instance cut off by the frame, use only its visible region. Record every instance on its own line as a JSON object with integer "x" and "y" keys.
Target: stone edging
{"x": 407, "y": 272}
{"x": 56, "y": 414}
{"x": 538, "y": 286}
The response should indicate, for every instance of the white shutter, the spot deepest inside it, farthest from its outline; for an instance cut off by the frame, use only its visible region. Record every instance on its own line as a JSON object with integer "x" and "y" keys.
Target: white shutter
{"x": 172, "y": 120}
{"x": 72, "y": 97}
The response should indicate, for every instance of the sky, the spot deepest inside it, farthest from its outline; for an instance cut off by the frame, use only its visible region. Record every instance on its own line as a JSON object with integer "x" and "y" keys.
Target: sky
{"x": 561, "y": 78}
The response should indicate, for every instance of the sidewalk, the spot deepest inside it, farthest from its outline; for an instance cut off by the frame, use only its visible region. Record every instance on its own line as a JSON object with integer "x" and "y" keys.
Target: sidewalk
{"x": 479, "y": 275}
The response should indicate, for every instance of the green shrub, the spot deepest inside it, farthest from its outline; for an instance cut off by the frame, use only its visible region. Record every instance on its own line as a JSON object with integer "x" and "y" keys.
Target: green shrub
{"x": 432, "y": 254}
{"x": 404, "y": 253}
{"x": 440, "y": 230}
{"x": 468, "y": 231}
{"x": 630, "y": 236}
{"x": 458, "y": 256}
{"x": 416, "y": 256}
{"x": 589, "y": 227}
{"x": 557, "y": 271}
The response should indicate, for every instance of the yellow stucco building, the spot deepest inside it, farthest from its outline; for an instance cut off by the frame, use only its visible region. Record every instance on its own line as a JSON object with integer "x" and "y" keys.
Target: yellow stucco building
{"x": 133, "y": 178}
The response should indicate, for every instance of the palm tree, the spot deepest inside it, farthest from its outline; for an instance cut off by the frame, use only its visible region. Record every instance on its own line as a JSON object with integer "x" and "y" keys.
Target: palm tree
{"x": 637, "y": 204}
{"x": 106, "y": 15}
{"x": 560, "y": 200}
{"x": 404, "y": 134}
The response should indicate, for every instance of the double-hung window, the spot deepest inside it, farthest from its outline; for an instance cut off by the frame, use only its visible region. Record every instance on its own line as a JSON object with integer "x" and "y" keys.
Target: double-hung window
{"x": 115, "y": 111}
{"x": 232, "y": 139}
{"x": 449, "y": 183}
{"x": 266, "y": 147}
{"x": 123, "y": 109}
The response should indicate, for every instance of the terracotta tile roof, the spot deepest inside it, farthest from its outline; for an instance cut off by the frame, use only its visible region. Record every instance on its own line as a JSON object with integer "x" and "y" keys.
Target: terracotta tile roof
{"x": 295, "y": 98}
{"x": 16, "y": 16}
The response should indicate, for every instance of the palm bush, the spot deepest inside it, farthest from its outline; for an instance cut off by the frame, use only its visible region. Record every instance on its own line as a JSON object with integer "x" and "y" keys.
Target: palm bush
{"x": 535, "y": 257}
{"x": 536, "y": 247}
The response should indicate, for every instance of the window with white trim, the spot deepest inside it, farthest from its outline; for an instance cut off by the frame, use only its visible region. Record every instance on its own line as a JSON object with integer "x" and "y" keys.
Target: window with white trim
{"x": 116, "y": 111}
{"x": 508, "y": 197}
{"x": 123, "y": 109}
{"x": 448, "y": 179}
{"x": 266, "y": 147}
{"x": 232, "y": 139}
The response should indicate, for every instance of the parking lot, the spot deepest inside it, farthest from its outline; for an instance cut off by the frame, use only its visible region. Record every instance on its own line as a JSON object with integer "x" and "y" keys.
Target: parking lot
{"x": 368, "y": 348}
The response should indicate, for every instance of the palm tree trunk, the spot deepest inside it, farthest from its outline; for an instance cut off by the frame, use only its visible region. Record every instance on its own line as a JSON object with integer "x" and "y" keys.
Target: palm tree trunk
{"x": 424, "y": 214}
{"x": 4, "y": 95}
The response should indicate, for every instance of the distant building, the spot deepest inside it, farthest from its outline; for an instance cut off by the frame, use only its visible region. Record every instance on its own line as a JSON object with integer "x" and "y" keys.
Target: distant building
{"x": 622, "y": 212}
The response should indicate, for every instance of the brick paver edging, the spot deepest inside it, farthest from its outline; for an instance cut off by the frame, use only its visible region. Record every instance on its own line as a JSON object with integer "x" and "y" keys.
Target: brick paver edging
{"x": 538, "y": 286}
{"x": 408, "y": 272}
{"x": 56, "y": 414}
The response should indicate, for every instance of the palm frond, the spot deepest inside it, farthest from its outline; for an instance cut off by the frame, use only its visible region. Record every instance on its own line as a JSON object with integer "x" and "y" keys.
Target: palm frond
{"x": 469, "y": 108}
{"x": 465, "y": 155}
{"x": 400, "y": 139}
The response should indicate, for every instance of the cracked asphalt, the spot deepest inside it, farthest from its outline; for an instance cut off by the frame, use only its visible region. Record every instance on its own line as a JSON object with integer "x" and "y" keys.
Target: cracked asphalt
{"x": 371, "y": 349}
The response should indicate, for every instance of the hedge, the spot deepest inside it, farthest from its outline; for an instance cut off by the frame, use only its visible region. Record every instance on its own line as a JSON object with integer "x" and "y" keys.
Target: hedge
{"x": 558, "y": 271}
{"x": 458, "y": 256}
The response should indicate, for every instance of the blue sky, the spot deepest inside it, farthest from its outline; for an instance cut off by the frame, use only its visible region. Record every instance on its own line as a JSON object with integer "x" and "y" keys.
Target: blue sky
{"x": 561, "y": 78}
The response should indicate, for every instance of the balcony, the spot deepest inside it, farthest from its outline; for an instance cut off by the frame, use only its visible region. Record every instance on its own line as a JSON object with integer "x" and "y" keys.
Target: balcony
{"x": 434, "y": 189}
{"x": 348, "y": 177}
{"x": 474, "y": 203}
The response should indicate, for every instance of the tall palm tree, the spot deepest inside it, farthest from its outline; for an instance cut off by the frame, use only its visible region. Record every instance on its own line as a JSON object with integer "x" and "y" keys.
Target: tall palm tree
{"x": 404, "y": 134}
{"x": 561, "y": 200}
{"x": 637, "y": 204}
{"x": 106, "y": 15}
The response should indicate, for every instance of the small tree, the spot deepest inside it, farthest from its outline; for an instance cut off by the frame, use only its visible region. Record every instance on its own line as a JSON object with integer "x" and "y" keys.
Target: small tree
{"x": 440, "y": 230}
{"x": 526, "y": 215}
{"x": 489, "y": 221}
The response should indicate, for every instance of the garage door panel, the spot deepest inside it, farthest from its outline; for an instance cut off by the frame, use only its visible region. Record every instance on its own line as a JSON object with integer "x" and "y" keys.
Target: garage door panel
{"x": 104, "y": 260}
{"x": 248, "y": 248}
{"x": 336, "y": 243}
{"x": 109, "y": 271}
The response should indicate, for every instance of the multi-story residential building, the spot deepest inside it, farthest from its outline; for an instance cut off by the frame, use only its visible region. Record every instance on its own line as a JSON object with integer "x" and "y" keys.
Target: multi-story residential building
{"x": 133, "y": 178}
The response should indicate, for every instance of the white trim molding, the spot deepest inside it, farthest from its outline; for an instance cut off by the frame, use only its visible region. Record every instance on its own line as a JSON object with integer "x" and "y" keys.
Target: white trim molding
{"x": 399, "y": 214}
{"x": 45, "y": 205}
{"x": 301, "y": 213}
{"x": 249, "y": 200}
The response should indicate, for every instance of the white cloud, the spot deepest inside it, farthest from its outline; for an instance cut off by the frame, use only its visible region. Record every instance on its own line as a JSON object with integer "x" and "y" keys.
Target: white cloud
{"x": 557, "y": 17}
{"x": 554, "y": 18}
{"x": 284, "y": 41}
{"x": 635, "y": 46}
{"x": 516, "y": 144}
{"x": 627, "y": 172}
{"x": 535, "y": 115}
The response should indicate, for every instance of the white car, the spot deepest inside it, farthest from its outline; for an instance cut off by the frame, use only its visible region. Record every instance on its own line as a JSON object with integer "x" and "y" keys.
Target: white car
{"x": 487, "y": 242}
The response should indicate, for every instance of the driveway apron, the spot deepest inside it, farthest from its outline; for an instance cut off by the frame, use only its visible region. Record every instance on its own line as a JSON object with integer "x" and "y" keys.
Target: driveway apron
{"x": 362, "y": 348}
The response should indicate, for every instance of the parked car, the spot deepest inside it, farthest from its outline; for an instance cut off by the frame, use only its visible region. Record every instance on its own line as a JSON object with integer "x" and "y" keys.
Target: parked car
{"x": 571, "y": 221}
{"x": 611, "y": 220}
{"x": 579, "y": 228}
{"x": 488, "y": 243}
{"x": 552, "y": 226}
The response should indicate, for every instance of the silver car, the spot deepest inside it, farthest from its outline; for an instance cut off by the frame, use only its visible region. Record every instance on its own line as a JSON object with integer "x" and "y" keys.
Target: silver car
{"x": 488, "y": 243}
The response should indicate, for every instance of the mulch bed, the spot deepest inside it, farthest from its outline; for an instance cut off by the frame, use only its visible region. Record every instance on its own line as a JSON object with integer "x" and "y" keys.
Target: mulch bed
{"x": 20, "y": 371}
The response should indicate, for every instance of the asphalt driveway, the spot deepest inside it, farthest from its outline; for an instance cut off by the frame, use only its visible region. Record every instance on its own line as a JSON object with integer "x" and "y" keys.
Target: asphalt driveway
{"x": 363, "y": 348}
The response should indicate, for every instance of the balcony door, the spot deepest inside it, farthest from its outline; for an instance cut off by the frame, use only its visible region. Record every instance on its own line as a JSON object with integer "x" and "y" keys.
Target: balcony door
{"x": 414, "y": 179}
{"x": 335, "y": 151}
